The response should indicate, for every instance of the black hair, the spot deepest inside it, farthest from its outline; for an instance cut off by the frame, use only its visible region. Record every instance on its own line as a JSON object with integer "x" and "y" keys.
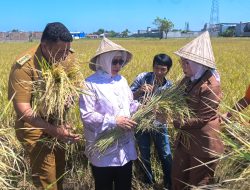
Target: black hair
{"x": 56, "y": 31}
{"x": 162, "y": 59}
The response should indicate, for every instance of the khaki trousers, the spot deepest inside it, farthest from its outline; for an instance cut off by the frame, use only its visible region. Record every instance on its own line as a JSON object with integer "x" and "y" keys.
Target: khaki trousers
{"x": 47, "y": 163}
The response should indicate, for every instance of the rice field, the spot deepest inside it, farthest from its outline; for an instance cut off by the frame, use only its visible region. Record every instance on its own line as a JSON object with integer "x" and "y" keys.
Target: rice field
{"x": 233, "y": 63}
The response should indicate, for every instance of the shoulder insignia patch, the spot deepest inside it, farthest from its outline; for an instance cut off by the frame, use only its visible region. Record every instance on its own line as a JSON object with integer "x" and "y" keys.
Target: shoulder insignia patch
{"x": 72, "y": 50}
{"x": 23, "y": 59}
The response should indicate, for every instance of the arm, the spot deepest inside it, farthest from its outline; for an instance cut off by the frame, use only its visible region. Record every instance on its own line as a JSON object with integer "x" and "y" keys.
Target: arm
{"x": 135, "y": 88}
{"x": 25, "y": 112}
{"x": 241, "y": 104}
{"x": 145, "y": 88}
{"x": 20, "y": 90}
{"x": 96, "y": 120}
{"x": 91, "y": 117}
{"x": 139, "y": 87}
{"x": 134, "y": 104}
{"x": 207, "y": 109}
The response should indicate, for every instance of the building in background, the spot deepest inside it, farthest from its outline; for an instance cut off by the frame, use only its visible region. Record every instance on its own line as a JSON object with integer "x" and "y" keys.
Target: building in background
{"x": 36, "y": 35}
{"x": 93, "y": 36}
{"x": 20, "y": 36}
{"x": 223, "y": 29}
{"x": 77, "y": 35}
{"x": 155, "y": 33}
{"x": 243, "y": 29}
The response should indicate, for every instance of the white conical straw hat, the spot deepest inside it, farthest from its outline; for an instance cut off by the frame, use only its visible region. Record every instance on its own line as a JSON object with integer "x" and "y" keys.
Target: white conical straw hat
{"x": 107, "y": 46}
{"x": 199, "y": 50}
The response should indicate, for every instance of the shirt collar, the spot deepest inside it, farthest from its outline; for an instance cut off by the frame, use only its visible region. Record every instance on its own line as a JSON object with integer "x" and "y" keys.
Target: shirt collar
{"x": 105, "y": 75}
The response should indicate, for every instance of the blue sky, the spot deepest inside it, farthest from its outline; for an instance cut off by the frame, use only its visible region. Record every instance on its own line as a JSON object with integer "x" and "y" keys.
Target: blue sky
{"x": 117, "y": 15}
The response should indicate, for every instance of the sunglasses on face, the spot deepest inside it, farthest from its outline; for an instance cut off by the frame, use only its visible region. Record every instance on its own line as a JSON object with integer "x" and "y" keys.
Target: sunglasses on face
{"x": 117, "y": 61}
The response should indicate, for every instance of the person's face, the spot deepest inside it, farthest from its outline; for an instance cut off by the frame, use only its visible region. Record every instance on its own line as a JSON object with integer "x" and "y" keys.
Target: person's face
{"x": 55, "y": 51}
{"x": 116, "y": 65}
{"x": 186, "y": 67}
{"x": 160, "y": 71}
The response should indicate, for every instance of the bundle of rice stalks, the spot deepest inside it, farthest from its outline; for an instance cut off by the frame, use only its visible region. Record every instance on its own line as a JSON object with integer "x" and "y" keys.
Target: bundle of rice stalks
{"x": 12, "y": 163}
{"x": 170, "y": 102}
{"x": 58, "y": 88}
{"x": 234, "y": 168}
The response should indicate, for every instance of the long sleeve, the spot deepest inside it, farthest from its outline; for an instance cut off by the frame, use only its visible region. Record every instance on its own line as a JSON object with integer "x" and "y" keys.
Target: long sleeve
{"x": 247, "y": 95}
{"x": 134, "y": 104}
{"x": 138, "y": 82}
{"x": 106, "y": 99}
{"x": 206, "y": 111}
{"x": 90, "y": 115}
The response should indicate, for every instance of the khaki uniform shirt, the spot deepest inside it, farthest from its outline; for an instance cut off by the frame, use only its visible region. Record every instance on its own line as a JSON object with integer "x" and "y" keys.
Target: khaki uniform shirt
{"x": 25, "y": 70}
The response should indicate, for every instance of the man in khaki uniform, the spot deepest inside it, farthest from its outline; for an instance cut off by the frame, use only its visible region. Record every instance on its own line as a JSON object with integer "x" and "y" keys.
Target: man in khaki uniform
{"x": 47, "y": 164}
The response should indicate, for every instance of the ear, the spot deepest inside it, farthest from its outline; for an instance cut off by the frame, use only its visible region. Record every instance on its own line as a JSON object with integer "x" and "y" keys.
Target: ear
{"x": 46, "y": 45}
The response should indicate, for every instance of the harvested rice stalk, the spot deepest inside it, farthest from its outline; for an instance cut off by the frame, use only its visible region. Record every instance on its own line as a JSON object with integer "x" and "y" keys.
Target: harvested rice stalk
{"x": 236, "y": 138}
{"x": 58, "y": 88}
{"x": 172, "y": 102}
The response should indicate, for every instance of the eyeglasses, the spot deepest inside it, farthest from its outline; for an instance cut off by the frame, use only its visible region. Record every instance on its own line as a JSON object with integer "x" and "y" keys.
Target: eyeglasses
{"x": 117, "y": 61}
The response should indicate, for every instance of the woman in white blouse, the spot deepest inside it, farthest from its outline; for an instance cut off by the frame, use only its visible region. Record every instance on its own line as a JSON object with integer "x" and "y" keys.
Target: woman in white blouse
{"x": 107, "y": 105}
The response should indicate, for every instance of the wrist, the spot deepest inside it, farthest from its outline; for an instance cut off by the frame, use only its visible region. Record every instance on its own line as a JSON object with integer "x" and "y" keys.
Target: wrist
{"x": 49, "y": 129}
{"x": 139, "y": 91}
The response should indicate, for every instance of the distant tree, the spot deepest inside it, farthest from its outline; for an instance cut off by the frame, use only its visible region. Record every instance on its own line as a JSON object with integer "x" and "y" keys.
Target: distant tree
{"x": 15, "y": 30}
{"x": 164, "y": 25}
{"x": 112, "y": 33}
{"x": 100, "y": 31}
{"x": 229, "y": 32}
{"x": 125, "y": 33}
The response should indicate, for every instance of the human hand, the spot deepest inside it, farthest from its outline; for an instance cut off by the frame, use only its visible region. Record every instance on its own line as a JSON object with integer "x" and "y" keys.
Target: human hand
{"x": 125, "y": 123}
{"x": 63, "y": 133}
{"x": 146, "y": 88}
{"x": 72, "y": 137}
{"x": 177, "y": 124}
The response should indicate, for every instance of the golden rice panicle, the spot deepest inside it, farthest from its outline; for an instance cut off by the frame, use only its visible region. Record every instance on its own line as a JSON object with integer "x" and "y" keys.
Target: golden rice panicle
{"x": 59, "y": 86}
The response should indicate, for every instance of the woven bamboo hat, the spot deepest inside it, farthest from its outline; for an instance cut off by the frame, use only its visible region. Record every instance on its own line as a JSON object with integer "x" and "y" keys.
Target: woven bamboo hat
{"x": 108, "y": 46}
{"x": 199, "y": 50}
